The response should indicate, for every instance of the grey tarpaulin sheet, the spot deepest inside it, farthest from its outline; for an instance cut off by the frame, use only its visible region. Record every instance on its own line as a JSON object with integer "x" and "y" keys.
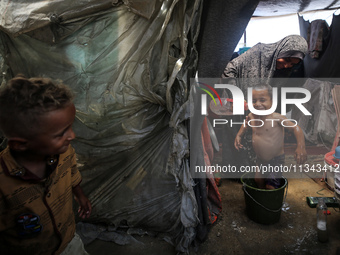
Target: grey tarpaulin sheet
{"x": 321, "y": 127}
{"x": 20, "y": 17}
{"x": 129, "y": 68}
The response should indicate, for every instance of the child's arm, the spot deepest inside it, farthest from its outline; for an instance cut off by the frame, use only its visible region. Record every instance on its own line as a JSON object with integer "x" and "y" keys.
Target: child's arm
{"x": 85, "y": 207}
{"x": 238, "y": 145}
{"x": 300, "y": 152}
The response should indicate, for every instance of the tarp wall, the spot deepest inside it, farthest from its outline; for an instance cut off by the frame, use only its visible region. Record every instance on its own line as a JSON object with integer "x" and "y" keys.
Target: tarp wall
{"x": 129, "y": 64}
{"x": 129, "y": 74}
{"x": 321, "y": 126}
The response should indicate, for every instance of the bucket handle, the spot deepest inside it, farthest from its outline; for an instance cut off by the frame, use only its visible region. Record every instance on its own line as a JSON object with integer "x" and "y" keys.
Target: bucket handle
{"x": 284, "y": 199}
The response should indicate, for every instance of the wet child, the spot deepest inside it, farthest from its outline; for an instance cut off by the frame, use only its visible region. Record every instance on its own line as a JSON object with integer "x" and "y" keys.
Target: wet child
{"x": 268, "y": 138}
{"x": 38, "y": 170}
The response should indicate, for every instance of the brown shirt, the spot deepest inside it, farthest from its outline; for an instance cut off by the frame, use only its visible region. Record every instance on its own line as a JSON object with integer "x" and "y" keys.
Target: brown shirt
{"x": 36, "y": 215}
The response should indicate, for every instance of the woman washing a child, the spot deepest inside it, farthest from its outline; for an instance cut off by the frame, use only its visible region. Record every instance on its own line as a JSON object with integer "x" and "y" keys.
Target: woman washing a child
{"x": 258, "y": 65}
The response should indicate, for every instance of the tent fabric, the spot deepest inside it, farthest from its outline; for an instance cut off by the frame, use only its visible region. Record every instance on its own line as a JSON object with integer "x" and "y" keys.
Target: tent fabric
{"x": 25, "y": 16}
{"x": 321, "y": 126}
{"x": 326, "y": 66}
{"x": 207, "y": 144}
{"x": 223, "y": 23}
{"x": 214, "y": 201}
{"x": 222, "y": 26}
{"x": 130, "y": 76}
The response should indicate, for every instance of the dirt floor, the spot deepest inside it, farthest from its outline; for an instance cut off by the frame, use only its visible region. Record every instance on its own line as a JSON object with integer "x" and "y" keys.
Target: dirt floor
{"x": 235, "y": 233}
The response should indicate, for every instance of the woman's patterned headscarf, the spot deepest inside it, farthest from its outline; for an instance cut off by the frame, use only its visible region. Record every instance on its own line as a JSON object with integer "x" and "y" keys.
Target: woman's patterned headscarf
{"x": 260, "y": 60}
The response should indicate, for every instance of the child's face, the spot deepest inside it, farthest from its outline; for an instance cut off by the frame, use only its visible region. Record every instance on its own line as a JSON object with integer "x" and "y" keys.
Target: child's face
{"x": 55, "y": 132}
{"x": 261, "y": 99}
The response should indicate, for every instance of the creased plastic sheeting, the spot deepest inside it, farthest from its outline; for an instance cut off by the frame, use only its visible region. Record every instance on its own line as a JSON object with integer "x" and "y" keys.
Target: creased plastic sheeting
{"x": 130, "y": 76}
{"x": 18, "y": 17}
{"x": 320, "y": 128}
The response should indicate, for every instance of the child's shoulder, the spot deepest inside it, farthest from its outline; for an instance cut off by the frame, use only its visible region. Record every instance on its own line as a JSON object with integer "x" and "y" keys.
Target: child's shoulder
{"x": 251, "y": 115}
{"x": 276, "y": 115}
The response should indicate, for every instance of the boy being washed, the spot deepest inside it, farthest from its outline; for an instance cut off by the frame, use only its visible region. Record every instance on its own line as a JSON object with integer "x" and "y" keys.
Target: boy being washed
{"x": 268, "y": 139}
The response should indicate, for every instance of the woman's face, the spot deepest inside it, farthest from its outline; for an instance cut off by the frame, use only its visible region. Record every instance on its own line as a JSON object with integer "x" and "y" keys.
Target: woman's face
{"x": 282, "y": 63}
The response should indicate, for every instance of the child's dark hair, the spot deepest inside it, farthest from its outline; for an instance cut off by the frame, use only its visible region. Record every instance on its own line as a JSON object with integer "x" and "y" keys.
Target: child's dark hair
{"x": 264, "y": 86}
{"x": 22, "y": 100}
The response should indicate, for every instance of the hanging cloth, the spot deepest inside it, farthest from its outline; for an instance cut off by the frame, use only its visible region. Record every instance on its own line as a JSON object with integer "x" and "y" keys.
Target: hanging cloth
{"x": 316, "y": 34}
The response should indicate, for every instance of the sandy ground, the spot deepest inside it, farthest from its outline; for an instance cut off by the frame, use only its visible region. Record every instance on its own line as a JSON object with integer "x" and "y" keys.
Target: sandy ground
{"x": 235, "y": 233}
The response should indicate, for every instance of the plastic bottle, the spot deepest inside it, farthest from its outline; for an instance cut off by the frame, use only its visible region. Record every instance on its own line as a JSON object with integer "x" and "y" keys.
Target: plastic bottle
{"x": 321, "y": 220}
